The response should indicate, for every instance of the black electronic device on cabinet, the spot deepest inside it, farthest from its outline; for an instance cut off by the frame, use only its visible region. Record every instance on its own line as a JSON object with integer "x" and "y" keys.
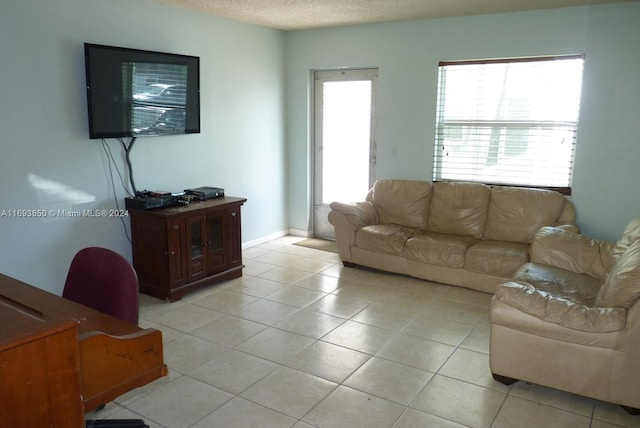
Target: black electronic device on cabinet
{"x": 147, "y": 200}
{"x": 205, "y": 192}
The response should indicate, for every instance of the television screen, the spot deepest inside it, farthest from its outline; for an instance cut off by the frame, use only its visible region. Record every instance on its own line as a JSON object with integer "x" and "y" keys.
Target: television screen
{"x": 133, "y": 93}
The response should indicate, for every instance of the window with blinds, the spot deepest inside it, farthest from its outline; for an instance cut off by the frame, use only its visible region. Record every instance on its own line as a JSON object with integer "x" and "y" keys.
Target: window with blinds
{"x": 511, "y": 121}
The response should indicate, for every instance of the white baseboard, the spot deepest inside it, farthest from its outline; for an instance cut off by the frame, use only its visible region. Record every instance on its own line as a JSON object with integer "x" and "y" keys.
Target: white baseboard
{"x": 301, "y": 233}
{"x": 293, "y": 232}
{"x": 264, "y": 239}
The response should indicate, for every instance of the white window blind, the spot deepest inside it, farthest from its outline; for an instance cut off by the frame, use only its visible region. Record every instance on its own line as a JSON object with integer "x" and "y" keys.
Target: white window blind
{"x": 509, "y": 121}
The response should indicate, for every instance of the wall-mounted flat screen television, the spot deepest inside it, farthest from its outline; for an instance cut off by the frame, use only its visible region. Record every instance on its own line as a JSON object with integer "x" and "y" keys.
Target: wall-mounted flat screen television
{"x": 134, "y": 93}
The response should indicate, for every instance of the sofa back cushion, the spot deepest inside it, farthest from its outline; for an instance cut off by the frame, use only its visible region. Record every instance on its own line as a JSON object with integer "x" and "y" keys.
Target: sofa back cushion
{"x": 629, "y": 236}
{"x": 402, "y": 202}
{"x": 516, "y": 214}
{"x": 622, "y": 286}
{"x": 459, "y": 208}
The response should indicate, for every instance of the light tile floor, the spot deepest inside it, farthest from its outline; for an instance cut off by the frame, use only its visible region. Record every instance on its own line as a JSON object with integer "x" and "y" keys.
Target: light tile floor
{"x": 300, "y": 341}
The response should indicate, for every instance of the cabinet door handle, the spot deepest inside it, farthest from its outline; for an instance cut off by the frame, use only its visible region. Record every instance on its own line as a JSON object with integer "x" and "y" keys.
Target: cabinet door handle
{"x": 233, "y": 214}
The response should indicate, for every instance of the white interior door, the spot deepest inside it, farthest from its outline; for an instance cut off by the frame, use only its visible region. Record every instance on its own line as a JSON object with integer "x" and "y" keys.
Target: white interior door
{"x": 343, "y": 140}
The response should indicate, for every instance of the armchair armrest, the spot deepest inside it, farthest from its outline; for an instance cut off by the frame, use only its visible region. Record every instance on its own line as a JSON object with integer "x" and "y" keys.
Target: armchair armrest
{"x": 560, "y": 310}
{"x": 559, "y": 247}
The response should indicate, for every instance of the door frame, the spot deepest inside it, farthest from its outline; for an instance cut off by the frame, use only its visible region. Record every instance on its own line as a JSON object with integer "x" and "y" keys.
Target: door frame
{"x": 336, "y": 74}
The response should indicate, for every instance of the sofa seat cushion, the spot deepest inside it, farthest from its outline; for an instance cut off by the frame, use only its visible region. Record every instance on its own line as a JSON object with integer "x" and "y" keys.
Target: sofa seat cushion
{"x": 516, "y": 214}
{"x": 438, "y": 249}
{"x": 459, "y": 208}
{"x": 496, "y": 258}
{"x": 560, "y": 310}
{"x": 383, "y": 238}
{"x": 402, "y": 202}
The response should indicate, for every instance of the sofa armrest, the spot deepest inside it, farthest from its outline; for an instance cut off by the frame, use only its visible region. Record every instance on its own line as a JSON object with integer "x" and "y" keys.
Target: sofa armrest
{"x": 559, "y": 247}
{"x": 358, "y": 214}
{"x": 567, "y": 219}
{"x": 559, "y": 310}
{"x": 568, "y": 227}
{"x": 347, "y": 218}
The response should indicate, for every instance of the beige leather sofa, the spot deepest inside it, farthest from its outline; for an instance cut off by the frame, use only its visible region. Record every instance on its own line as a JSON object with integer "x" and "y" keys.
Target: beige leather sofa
{"x": 570, "y": 319}
{"x": 458, "y": 233}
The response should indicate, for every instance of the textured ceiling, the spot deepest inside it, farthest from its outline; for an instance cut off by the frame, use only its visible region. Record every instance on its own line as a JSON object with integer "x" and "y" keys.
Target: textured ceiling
{"x": 304, "y": 14}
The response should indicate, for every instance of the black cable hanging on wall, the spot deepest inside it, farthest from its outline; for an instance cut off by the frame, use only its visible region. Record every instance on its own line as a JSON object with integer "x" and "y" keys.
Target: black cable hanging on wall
{"x": 127, "y": 151}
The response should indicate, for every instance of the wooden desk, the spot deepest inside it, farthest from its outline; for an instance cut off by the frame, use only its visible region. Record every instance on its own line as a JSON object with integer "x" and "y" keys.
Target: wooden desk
{"x": 60, "y": 359}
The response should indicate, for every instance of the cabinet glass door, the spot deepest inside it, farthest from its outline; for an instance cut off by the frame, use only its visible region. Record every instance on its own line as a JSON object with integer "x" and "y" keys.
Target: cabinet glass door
{"x": 196, "y": 247}
{"x": 214, "y": 232}
{"x": 215, "y": 222}
{"x": 196, "y": 240}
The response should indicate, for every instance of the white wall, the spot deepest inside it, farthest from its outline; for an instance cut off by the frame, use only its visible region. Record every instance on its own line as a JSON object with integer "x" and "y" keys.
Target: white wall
{"x": 407, "y": 54}
{"x": 48, "y": 162}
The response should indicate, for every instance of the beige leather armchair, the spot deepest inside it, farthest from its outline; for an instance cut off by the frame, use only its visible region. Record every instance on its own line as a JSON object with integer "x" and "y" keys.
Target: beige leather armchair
{"x": 570, "y": 319}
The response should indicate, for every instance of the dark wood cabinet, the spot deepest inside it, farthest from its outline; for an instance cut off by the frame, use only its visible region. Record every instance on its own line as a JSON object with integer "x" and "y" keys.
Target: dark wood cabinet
{"x": 178, "y": 249}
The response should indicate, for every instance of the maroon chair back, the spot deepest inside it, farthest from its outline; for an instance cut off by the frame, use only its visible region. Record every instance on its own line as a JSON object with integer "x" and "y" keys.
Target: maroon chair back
{"x": 105, "y": 281}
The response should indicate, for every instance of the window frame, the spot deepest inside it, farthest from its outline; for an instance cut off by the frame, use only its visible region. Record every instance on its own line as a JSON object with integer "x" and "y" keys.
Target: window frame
{"x": 504, "y": 124}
